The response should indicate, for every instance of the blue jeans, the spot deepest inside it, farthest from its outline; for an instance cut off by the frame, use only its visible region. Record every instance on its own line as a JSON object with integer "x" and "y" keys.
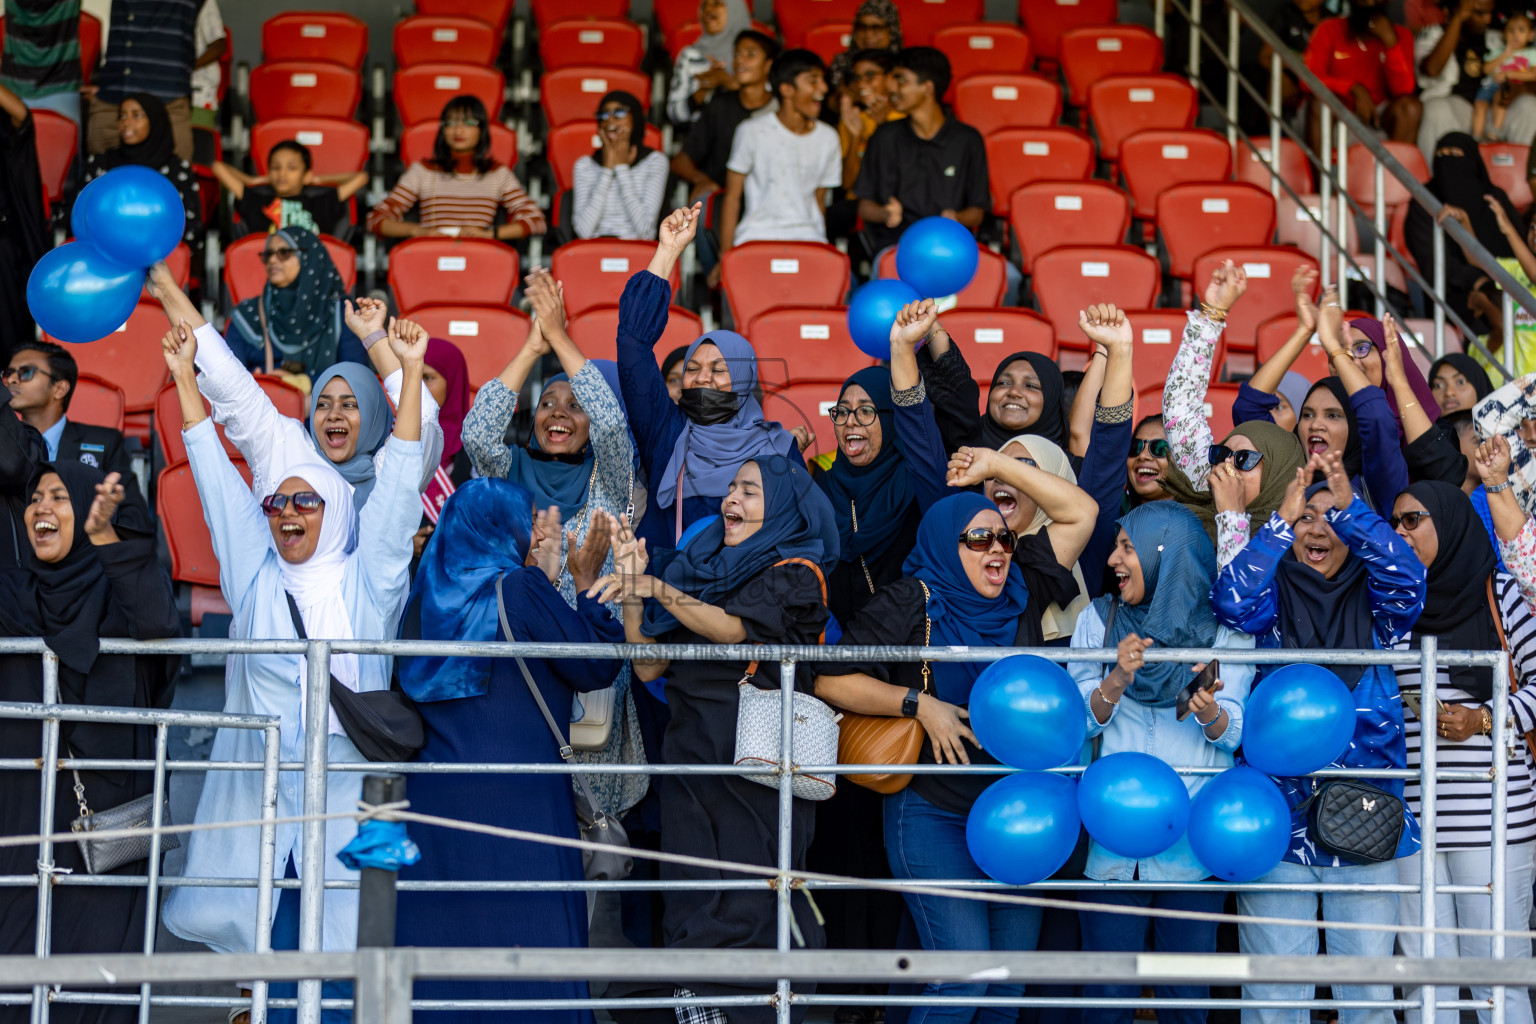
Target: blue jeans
{"x": 285, "y": 935}
{"x": 1361, "y": 907}
{"x": 923, "y": 841}
{"x": 1123, "y": 933}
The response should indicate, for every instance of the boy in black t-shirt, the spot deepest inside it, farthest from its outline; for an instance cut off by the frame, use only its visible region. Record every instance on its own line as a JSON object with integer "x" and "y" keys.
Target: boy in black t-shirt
{"x": 290, "y": 194}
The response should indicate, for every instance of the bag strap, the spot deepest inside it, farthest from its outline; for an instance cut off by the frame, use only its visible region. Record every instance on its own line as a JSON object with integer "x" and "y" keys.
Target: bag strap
{"x": 821, "y": 579}
{"x": 679, "y": 499}
{"x": 85, "y": 811}
{"x": 927, "y": 632}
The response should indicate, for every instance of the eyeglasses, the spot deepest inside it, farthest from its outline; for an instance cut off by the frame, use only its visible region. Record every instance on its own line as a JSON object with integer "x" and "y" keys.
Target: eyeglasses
{"x": 1243, "y": 458}
{"x": 981, "y": 538}
{"x": 1160, "y": 447}
{"x": 24, "y": 373}
{"x": 864, "y": 415}
{"x": 272, "y": 255}
{"x": 617, "y": 114}
{"x": 461, "y": 122}
{"x": 303, "y": 501}
{"x": 1409, "y": 519}
{"x": 1361, "y": 349}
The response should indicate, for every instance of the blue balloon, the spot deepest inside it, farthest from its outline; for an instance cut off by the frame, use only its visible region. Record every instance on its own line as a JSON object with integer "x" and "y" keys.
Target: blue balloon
{"x": 694, "y": 529}
{"x": 1134, "y": 804}
{"x": 873, "y": 310}
{"x": 1298, "y": 719}
{"x": 134, "y": 215}
{"x": 937, "y": 256}
{"x": 1028, "y": 713}
{"x": 76, "y": 294}
{"x": 1023, "y": 827}
{"x": 1240, "y": 825}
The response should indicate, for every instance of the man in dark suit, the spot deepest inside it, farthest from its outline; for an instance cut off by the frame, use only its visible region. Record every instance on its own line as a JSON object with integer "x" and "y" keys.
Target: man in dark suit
{"x": 41, "y": 379}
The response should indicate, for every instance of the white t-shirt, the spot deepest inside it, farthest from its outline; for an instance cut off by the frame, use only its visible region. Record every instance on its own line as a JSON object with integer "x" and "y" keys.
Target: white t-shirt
{"x": 783, "y": 172}
{"x": 205, "y": 80}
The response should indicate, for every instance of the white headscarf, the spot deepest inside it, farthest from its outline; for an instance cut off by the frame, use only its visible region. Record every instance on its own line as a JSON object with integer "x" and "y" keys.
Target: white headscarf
{"x": 1056, "y": 621}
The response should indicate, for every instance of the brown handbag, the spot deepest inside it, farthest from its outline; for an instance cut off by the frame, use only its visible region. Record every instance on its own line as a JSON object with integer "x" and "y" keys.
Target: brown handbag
{"x": 884, "y": 739}
{"x": 1514, "y": 682}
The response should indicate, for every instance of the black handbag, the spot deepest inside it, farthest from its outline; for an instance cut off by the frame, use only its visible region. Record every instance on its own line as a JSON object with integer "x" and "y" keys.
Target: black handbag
{"x": 1355, "y": 820}
{"x": 383, "y": 725}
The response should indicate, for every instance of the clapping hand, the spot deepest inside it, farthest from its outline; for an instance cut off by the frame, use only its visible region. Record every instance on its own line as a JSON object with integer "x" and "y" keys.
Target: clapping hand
{"x": 98, "y": 521}
{"x": 1295, "y": 501}
{"x": 629, "y": 564}
{"x": 544, "y": 547}
{"x": 585, "y": 560}
{"x": 1493, "y": 460}
{"x": 1302, "y": 283}
{"x": 547, "y": 296}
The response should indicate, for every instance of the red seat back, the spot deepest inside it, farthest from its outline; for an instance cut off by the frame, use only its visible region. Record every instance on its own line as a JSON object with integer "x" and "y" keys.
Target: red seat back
{"x": 547, "y": 13}
{"x": 922, "y": 23}
{"x": 1019, "y": 156}
{"x": 1155, "y": 337}
{"x": 573, "y": 93}
{"x": 828, "y": 39}
{"x": 596, "y": 331}
{"x": 1269, "y": 270}
{"x": 1047, "y": 21}
{"x": 452, "y": 271}
{"x": 990, "y": 334}
{"x": 335, "y": 146}
{"x": 806, "y": 403}
{"x": 186, "y": 530}
{"x": 1361, "y": 174}
{"x": 1194, "y": 219}
{"x": 315, "y": 36}
{"x": 1506, "y": 163}
{"x": 1122, "y": 105}
{"x": 123, "y": 357}
{"x": 986, "y": 288}
{"x": 588, "y": 42}
{"x": 58, "y": 140}
{"x": 488, "y": 337}
{"x": 594, "y": 271}
{"x": 305, "y": 89}
{"x": 571, "y": 142}
{"x": 495, "y": 13}
{"x": 98, "y": 402}
{"x": 422, "y": 91}
{"x": 1272, "y": 335}
{"x": 989, "y": 102}
{"x": 795, "y": 17}
{"x": 1153, "y": 161}
{"x": 1295, "y": 168}
{"x": 1071, "y": 277}
{"x": 416, "y": 143}
{"x": 90, "y": 45}
{"x": 804, "y": 343}
{"x": 245, "y": 277}
{"x": 982, "y": 48}
{"x": 1217, "y": 406}
{"x": 1093, "y": 52}
{"x": 1051, "y": 213}
{"x": 442, "y": 38}
{"x": 760, "y": 276}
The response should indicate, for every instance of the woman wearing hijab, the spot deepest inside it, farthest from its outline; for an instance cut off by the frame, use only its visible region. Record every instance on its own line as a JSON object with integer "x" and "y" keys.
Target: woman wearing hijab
{"x": 1164, "y": 564}
{"x": 968, "y": 581}
{"x": 145, "y": 139}
{"x": 876, "y": 26}
{"x": 446, "y": 376}
{"x": 1027, "y": 395}
{"x": 1326, "y": 573}
{"x": 1275, "y": 391}
{"x": 690, "y": 451}
{"x": 1147, "y": 463}
{"x": 672, "y": 372}
{"x": 295, "y": 560}
{"x": 705, "y": 65}
{"x": 91, "y": 573}
{"x": 1457, "y": 381}
{"x": 756, "y": 575}
{"x": 480, "y": 710}
{"x": 618, "y": 188}
{"x": 1468, "y": 606}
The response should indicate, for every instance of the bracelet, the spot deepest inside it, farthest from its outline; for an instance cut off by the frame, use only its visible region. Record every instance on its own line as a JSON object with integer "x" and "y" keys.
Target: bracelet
{"x": 1410, "y": 405}
{"x": 1100, "y": 691}
{"x": 374, "y": 338}
{"x": 1487, "y": 717}
{"x": 1216, "y": 313}
{"x": 1496, "y": 488}
{"x": 1207, "y": 725}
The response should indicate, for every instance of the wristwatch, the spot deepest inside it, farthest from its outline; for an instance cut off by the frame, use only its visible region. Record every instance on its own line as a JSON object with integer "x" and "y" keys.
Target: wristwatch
{"x": 1496, "y": 488}
{"x": 909, "y": 703}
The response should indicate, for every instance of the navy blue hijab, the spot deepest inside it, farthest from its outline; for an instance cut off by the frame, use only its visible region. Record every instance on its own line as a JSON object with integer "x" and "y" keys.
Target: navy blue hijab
{"x": 959, "y": 615}
{"x": 797, "y": 523}
{"x": 881, "y": 491}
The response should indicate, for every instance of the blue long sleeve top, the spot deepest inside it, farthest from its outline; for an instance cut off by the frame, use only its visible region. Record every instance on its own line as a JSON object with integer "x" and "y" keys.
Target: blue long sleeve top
{"x": 917, "y": 431}
{"x": 1103, "y": 477}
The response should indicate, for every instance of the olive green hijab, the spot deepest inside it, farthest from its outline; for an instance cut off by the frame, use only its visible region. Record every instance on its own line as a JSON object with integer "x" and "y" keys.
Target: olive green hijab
{"x": 1283, "y": 455}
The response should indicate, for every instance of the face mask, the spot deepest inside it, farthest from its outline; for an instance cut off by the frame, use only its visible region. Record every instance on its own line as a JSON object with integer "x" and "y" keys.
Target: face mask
{"x": 706, "y": 406}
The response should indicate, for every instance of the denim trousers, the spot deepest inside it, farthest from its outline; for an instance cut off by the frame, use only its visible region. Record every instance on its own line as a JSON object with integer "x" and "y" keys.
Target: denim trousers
{"x": 1123, "y": 933}
{"x": 924, "y": 841}
{"x": 1358, "y": 907}
{"x": 285, "y": 935}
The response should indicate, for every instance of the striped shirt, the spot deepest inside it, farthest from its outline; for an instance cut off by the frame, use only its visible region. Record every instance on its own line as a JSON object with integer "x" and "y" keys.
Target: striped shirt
{"x": 42, "y": 47}
{"x": 624, "y": 202}
{"x": 151, "y": 48}
{"x": 1465, "y": 809}
{"x": 459, "y": 200}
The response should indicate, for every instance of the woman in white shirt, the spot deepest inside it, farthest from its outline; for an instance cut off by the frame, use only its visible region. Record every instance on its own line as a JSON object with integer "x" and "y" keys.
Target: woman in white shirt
{"x": 618, "y": 188}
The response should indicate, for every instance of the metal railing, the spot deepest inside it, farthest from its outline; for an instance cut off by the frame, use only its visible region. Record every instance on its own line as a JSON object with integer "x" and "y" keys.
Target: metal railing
{"x": 782, "y": 965}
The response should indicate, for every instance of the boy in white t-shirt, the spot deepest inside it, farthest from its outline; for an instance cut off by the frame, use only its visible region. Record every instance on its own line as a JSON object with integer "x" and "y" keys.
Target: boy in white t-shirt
{"x": 784, "y": 165}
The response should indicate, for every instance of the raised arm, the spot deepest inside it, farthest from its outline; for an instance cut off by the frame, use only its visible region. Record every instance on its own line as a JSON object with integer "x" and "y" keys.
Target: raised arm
{"x": 386, "y": 524}
{"x": 1268, "y": 377}
{"x": 1416, "y": 419}
{"x": 917, "y": 429}
{"x": 1513, "y": 236}
{"x": 1103, "y": 471}
{"x": 1395, "y": 578}
{"x": 1244, "y": 596}
{"x": 1189, "y": 432}
{"x": 1080, "y": 416}
{"x": 485, "y": 425}
{"x": 1515, "y": 530}
{"x": 234, "y": 180}
{"x": 1071, "y": 510}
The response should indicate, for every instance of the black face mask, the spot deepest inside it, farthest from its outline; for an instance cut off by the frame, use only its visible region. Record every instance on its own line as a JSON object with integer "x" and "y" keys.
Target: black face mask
{"x": 706, "y": 406}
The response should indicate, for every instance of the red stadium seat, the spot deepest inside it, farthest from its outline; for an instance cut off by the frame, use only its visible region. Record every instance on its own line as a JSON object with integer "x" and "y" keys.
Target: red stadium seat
{"x": 179, "y": 263}
{"x": 596, "y": 331}
{"x": 804, "y": 343}
{"x": 687, "y": 33}
{"x": 1269, "y": 270}
{"x": 587, "y": 42}
{"x": 1069, "y": 278}
{"x": 1051, "y": 213}
{"x": 495, "y": 13}
{"x": 90, "y": 45}
{"x": 594, "y": 271}
{"x": 795, "y": 17}
{"x": 422, "y": 91}
{"x": 1295, "y": 168}
{"x": 1506, "y": 163}
{"x": 452, "y": 271}
{"x": 122, "y": 357}
{"x": 806, "y": 404}
{"x": 672, "y": 15}
{"x": 1011, "y": 330}
{"x": 288, "y": 400}
{"x": 1294, "y": 224}
{"x": 186, "y": 535}
{"x": 489, "y": 338}
{"x": 1152, "y": 161}
{"x": 315, "y": 35}
{"x": 547, "y": 13}
{"x": 981, "y": 48}
{"x": 1047, "y": 21}
{"x": 572, "y": 94}
{"x": 1275, "y": 332}
{"x": 922, "y": 22}
{"x": 989, "y": 103}
{"x": 335, "y": 146}
{"x": 1094, "y": 52}
{"x": 416, "y": 143}
{"x": 1155, "y": 336}
{"x": 245, "y": 277}
{"x": 305, "y": 89}
{"x": 570, "y": 142}
{"x": 1194, "y": 219}
{"x": 1122, "y": 105}
{"x": 1361, "y": 172}
{"x": 1217, "y": 407}
{"x": 760, "y": 276}
{"x": 1019, "y": 156}
{"x": 58, "y": 140}
{"x": 98, "y": 402}
{"x": 828, "y": 39}
{"x": 986, "y": 288}
{"x": 427, "y": 39}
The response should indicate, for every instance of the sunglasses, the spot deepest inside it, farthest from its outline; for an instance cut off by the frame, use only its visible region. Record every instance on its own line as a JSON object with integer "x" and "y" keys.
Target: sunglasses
{"x": 461, "y": 122}
{"x": 617, "y": 114}
{"x": 1160, "y": 447}
{"x": 1361, "y": 349}
{"x": 1409, "y": 519}
{"x": 864, "y": 415}
{"x": 981, "y": 538}
{"x": 24, "y": 373}
{"x": 303, "y": 501}
{"x": 1243, "y": 458}
{"x": 270, "y": 255}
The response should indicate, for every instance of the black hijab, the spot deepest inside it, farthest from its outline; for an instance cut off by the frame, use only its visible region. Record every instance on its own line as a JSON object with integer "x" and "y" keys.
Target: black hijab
{"x": 880, "y": 493}
{"x": 1052, "y": 422}
{"x": 1456, "y": 604}
{"x": 159, "y": 146}
{"x": 1327, "y": 614}
{"x": 636, "y": 124}
{"x": 1354, "y": 449}
{"x": 1462, "y": 181}
{"x": 1468, "y": 368}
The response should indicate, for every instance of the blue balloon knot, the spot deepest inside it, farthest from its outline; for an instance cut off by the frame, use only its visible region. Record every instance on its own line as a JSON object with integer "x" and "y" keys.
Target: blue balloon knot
{"x": 380, "y": 844}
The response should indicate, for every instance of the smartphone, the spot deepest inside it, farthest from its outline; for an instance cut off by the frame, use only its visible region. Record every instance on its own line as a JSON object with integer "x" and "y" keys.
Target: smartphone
{"x": 1414, "y": 700}
{"x": 1206, "y": 681}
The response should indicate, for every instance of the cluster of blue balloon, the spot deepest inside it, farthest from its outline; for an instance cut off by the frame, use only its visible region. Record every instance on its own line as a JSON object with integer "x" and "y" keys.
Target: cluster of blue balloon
{"x": 1028, "y": 713}
{"x": 123, "y": 221}
{"x": 935, "y": 257}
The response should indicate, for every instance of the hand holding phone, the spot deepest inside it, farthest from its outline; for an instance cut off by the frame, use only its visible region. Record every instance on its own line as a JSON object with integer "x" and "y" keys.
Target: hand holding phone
{"x": 1206, "y": 681}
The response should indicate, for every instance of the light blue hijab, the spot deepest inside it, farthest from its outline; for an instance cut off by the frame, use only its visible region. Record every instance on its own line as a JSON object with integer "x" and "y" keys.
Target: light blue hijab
{"x": 376, "y": 423}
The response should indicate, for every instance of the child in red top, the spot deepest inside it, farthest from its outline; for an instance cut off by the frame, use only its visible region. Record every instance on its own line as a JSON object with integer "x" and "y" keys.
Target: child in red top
{"x": 1368, "y": 62}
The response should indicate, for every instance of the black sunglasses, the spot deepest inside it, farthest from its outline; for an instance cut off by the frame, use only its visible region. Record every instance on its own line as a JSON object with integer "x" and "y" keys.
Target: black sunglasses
{"x": 303, "y": 501}
{"x": 1243, "y": 458}
{"x": 1409, "y": 519}
{"x": 864, "y": 415}
{"x": 268, "y": 255}
{"x": 1160, "y": 447}
{"x": 620, "y": 113}
{"x": 980, "y": 538}
{"x": 24, "y": 373}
